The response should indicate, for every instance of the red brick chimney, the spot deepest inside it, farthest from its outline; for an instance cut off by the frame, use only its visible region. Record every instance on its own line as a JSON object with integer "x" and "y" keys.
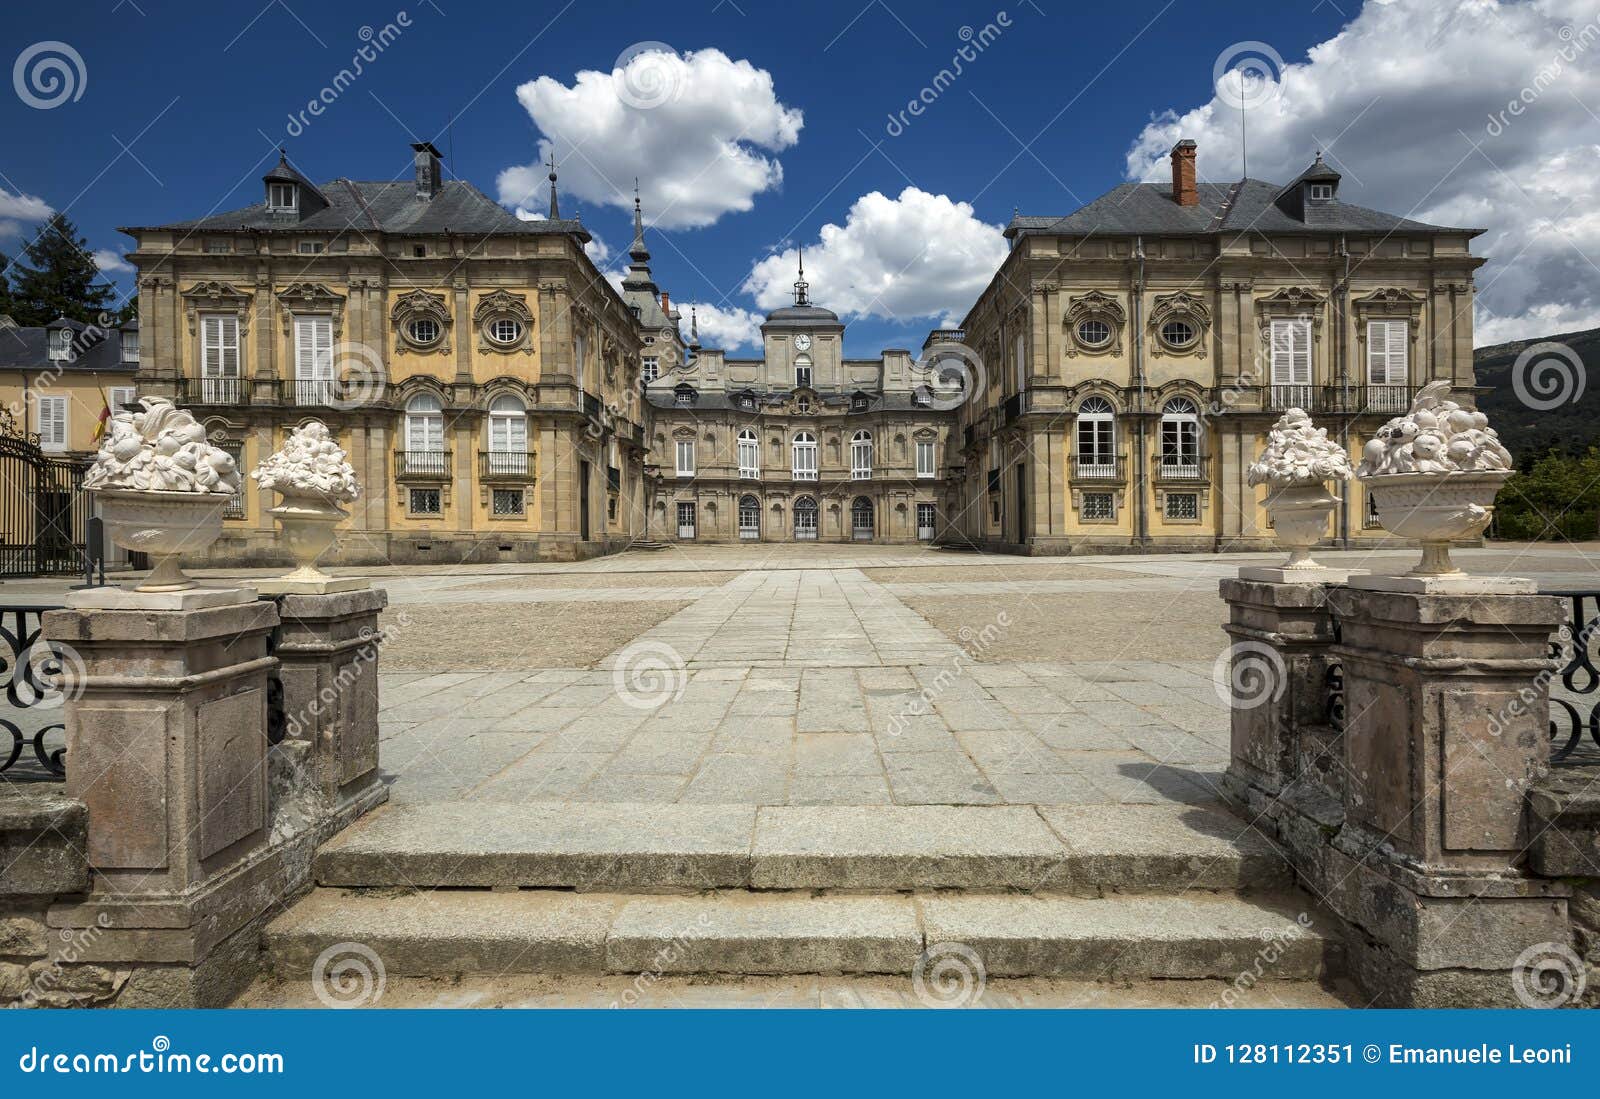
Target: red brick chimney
{"x": 666, "y": 303}
{"x": 1184, "y": 192}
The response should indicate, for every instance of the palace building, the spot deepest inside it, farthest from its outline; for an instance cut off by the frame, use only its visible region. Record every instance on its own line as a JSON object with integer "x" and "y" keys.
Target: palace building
{"x": 501, "y": 400}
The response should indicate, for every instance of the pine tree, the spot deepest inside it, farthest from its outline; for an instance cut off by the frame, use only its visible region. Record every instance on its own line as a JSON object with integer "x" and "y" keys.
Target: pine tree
{"x": 6, "y": 304}
{"x": 59, "y": 278}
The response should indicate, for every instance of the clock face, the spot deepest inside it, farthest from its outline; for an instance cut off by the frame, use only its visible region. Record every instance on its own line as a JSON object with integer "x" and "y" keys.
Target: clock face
{"x": 802, "y": 342}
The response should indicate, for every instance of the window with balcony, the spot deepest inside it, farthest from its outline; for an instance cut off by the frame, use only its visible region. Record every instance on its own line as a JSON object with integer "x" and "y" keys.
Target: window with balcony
{"x": 508, "y": 438}
{"x": 219, "y": 358}
{"x": 1096, "y": 441}
{"x": 685, "y": 457}
{"x": 749, "y": 454}
{"x": 1180, "y": 439}
{"x": 1291, "y": 363}
{"x": 424, "y": 452}
{"x": 861, "y": 456}
{"x": 805, "y": 456}
{"x": 802, "y": 371}
{"x": 1388, "y": 365}
{"x": 313, "y": 360}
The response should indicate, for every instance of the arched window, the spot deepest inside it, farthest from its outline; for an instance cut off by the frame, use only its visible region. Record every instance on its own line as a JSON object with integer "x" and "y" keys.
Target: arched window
{"x": 805, "y": 456}
{"x": 1096, "y": 439}
{"x": 425, "y": 435}
{"x": 861, "y": 519}
{"x": 802, "y": 371}
{"x": 805, "y": 519}
{"x": 749, "y": 517}
{"x": 861, "y": 456}
{"x": 1180, "y": 438}
{"x": 749, "y": 454}
{"x": 508, "y": 437}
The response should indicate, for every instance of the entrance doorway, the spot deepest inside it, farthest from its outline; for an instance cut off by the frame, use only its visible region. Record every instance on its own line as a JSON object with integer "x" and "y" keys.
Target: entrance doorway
{"x": 749, "y": 517}
{"x": 805, "y": 519}
{"x": 686, "y": 520}
{"x": 861, "y": 519}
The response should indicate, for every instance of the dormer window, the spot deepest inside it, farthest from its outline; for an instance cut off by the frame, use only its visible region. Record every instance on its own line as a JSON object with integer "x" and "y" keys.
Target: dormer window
{"x": 747, "y": 403}
{"x": 683, "y": 396}
{"x": 1322, "y": 192}
{"x": 130, "y": 346}
{"x": 858, "y": 403}
{"x": 60, "y": 345}
{"x": 922, "y": 396}
{"x": 310, "y": 247}
{"x": 283, "y": 198}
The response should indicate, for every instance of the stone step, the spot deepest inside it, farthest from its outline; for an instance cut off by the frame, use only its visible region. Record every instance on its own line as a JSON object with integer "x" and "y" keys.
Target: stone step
{"x": 632, "y": 848}
{"x": 446, "y": 933}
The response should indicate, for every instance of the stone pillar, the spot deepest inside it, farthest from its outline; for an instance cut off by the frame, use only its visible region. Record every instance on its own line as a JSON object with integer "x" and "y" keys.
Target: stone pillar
{"x": 167, "y": 749}
{"x": 327, "y": 647}
{"x": 1278, "y": 681}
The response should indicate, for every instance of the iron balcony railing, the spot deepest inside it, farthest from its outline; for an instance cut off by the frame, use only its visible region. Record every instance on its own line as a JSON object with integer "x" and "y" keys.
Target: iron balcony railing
{"x": 213, "y": 391}
{"x": 430, "y": 464}
{"x": 506, "y": 465}
{"x": 1170, "y": 468}
{"x": 30, "y": 706}
{"x": 310, "y": 392}
{"x": 1097, "y": 468}
{"x": 1356, "y": 400}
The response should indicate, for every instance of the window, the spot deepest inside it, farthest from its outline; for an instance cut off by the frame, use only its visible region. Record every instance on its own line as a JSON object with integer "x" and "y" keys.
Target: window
{"x": 683, "y": 396}
{"x": 1099, "y": 507}
{"x": 685, "y": 457}
{"x": 508, "y": 330}
{"x": 1291, "y": 352}
{"x": 219, "y": 358}
{"x": 805, "y": 457}
{"x": 424, "y": 330}
{"x": 749, "y": 517}
{"x": 580, "y": 353}
{"x": 749, "y": 454}
{"x": 1388, "y": 348}
{"x": 60, "y": 345}
{"x": 313, "y": 360}
{"x": 861, "y": 519}
{"x": 1092, "y": 333}
{"x": 747, "y": 402}
{"x": 1178, "y": 333}
{"x": 651, "y": 369}
{"x": 1182, "y": 506}
{"x": 283, "y": 197}
{"x": 508, "y": 438}
{"x": 1322, "y": 191}
{"x": 925, "y": 460}
{"x": 925, "y": 514}
{"x": 310, "y": 247}
{"x": 216, "y": 246}
{"x": 859, "y": 403}
{"x": 424, "y": 435}
{"x": 861, "y": 456}
{"x": 1096, "y": 438}
{"x": 805, "y": 519}
{"x": 803, "y": 406}
{"x": 685, "y": 519}
{"x": 419, "y": 251}
{"x": 53, "y": 423}
{"x": 1180, "y": 436}
{"x": 922, "y": 396}
{"x": 424, "y": 501}
{"x": 509, "y": 502}
{"x": 802, "y": 371}
{"x": 130, "y": 347}
{"x": 234, "y": 508}
{"x": 121, "y": 397}
{"x": 1019, "y": 364}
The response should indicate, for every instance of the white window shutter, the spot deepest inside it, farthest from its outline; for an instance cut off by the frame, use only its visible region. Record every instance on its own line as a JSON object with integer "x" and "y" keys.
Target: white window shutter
{"x": 1291, "y": 352}
{"x": 1388, "y": 352}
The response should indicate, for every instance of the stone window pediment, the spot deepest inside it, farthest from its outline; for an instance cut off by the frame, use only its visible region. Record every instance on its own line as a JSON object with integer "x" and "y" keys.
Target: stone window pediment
{"x": 421, "y": 306}
{"x": 1289, "y": 303}
{"x": 217, "y": 297}
{"x": 311, "y": 297}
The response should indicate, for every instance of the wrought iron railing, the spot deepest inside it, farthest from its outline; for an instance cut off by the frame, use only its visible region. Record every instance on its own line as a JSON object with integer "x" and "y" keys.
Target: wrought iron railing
{"x": 432, "y": 464}
{"x": 1575, "y": 688}
{"x": 502, "y": 465}
{"x": 1097, "y": 468}
{"x": 213, "y": 391}
{"x": 33, "y": 671}
{"x": 1171, "y": 468}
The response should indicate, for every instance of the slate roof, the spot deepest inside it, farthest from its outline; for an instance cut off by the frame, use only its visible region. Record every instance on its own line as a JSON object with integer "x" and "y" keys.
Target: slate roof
{"x": 388, "y": 207}
{"x": 1247, "y": 206}
{"x": 25, "y": 349}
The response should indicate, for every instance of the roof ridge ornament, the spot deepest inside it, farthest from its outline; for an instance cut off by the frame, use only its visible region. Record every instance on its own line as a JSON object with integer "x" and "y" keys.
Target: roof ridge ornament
{"x": 555, "y": 208}
{"x": 800, "y": 284}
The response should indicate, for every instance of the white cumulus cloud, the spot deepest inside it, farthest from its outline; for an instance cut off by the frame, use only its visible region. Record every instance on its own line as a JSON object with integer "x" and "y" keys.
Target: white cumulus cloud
{"x": 17, "y": 209}
{"x": 699, "y": 130}
{"x": 916, "y": 255}
{"x": 724, "y": 327}
{"x": 110, "y": 262}
{"x": 1411, "y": 103}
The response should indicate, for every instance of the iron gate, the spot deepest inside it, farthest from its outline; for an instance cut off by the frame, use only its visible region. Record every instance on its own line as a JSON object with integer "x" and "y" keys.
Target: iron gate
{"x": 44, "y": 512}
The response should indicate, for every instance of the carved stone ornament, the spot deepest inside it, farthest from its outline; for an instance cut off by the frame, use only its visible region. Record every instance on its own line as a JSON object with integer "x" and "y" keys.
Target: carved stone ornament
{"x": 217, "y": 297}
{"x": 421, "y": 305}
{"x": 1297, "y": 453}
{"x": 161, "y": 449}
{"x": 1180, "y": 306}
{"x": 502, "y": 305}
{"x": 310, "y": 465}
{"x": 1094, "y": 306}
{"x": 310, "y": 297}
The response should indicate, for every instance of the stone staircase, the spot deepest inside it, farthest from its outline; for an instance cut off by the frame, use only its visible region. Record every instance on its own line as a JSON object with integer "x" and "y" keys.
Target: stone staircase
{"x": 1096, "y": 893}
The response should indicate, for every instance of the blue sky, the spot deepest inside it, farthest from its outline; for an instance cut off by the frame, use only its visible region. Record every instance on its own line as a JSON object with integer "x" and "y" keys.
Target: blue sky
{"x": 183, "y": 105}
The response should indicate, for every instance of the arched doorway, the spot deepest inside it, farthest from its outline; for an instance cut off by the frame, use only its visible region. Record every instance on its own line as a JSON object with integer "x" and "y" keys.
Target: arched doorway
{"x": 749, "y": 517}
{"x": 805, "y": 519}
{"x": 861, "y": 520}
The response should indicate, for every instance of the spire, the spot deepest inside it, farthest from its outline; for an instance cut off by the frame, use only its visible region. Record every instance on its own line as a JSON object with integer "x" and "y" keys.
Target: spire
{"x": 638, "y": 251}
{"x": 555, "y": 207}
{"x": 800, "y": 284}
{"x": 694, "y": 329}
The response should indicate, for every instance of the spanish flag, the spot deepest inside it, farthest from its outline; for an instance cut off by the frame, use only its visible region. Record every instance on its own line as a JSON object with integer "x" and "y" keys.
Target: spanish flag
{"x": 105, "y": 417}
